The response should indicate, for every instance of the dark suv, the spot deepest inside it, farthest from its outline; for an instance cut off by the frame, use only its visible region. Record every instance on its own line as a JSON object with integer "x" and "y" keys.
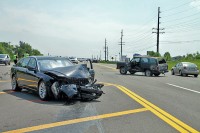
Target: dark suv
{"x": 4, "y": 59}
{"x": 149, "y": 65}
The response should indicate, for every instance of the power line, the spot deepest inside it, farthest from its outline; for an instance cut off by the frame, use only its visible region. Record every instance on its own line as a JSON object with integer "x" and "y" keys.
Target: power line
{"x": 178, "y": 6}
{"x": 182, "y": 18}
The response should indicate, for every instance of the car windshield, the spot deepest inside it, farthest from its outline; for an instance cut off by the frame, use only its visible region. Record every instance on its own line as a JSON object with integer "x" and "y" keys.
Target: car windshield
{"x": 190, "y": 65}
{"x": 2, "y": 56}
{"x": 46, "y": 64}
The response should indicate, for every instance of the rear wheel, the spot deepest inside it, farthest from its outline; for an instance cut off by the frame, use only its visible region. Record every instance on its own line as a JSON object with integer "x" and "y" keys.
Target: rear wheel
{"x": 148, "y": 73}
{"x": 14, "y": 84}
{"x": 42, "y": 91}
{"x": 196, "y": 75}
{"x": 123, "y": 70}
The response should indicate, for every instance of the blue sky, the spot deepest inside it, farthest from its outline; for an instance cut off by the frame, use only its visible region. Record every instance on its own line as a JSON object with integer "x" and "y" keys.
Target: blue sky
{"x": 79, "y": 27}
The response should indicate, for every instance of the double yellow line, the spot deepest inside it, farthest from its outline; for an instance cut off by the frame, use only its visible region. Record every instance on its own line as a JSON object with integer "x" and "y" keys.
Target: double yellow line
{"x": 171, "y": 120}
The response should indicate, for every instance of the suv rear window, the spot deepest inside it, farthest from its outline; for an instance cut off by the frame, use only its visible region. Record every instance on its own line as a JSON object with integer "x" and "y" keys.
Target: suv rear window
{"x": 161, "y": 61}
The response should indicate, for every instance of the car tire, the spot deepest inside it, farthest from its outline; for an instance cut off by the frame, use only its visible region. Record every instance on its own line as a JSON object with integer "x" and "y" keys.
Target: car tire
{"x": 14, "y": 84}
{"x": 132, "y": 72}
{"x": 43, "y": 91}
{"x": 172, "y": 72}
{"x": 184, "y": 75}
{"x": 157, "y": 75}
{"x": 180, "y": 72}
{"x": 123, "y": 70}
{"x": 196, "y": 75}
{"x": 148, "y": 73}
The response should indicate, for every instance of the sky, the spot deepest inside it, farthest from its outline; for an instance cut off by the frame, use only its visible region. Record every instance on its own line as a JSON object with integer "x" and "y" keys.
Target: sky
{"x": 79, "y": 27}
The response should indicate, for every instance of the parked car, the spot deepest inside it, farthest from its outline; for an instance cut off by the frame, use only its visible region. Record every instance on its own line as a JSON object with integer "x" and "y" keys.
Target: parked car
{"x": 55, "y": 77}
{"x": 73, "y": 60}
{"x": 185, "y": 69}
{"x": 4, "y": 59}
{"x": 149, "y": 65}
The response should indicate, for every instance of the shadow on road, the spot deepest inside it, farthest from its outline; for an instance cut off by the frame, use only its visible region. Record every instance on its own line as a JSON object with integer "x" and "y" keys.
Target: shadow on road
{"x": 32, "y": 96}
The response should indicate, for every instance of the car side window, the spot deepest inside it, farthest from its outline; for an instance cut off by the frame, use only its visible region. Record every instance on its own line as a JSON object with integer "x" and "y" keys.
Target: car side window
{"x": 137, "y": 60}
{"x": 144, "y": 60}
{"x": 25, "y": 62}
{"x": 152, "y": 61}
{"x": 32, "y": 63}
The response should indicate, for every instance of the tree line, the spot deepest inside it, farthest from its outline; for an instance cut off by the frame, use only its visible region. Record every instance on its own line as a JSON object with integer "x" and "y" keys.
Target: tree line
{"x": 168, "y": 57}
{"x": 22, "y": 48}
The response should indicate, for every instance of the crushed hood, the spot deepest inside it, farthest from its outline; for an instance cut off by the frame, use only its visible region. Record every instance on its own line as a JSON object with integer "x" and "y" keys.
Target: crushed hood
{"x": 76, "y": 71}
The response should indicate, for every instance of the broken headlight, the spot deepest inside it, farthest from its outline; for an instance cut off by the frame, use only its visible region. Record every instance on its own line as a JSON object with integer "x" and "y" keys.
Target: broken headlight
{"x": 55, "y": 89}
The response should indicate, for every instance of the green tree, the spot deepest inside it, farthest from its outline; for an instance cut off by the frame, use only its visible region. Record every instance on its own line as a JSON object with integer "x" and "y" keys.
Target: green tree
{"x": 153, "y": 54}
{"x": 167, "y": 56}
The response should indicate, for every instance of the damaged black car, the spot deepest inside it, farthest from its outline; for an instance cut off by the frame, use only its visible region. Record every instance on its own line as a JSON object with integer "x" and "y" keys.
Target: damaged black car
{"x": 55, "y": 77}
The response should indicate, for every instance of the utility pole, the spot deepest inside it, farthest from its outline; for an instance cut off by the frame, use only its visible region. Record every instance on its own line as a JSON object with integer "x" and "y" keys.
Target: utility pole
{"x": 121, "y": 43}
{"x": 107, "y": 53}
{"x": 158, "y": 30}
{"x": 100, "y": 55}
{"x": 105, "y": 48}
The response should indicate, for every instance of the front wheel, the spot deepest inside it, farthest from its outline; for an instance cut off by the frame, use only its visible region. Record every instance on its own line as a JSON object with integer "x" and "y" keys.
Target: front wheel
{"x": 42, "y": 91}
{"x": 123, "y": 70}
{"x": 172, "y": 72}
{"x": 196, "y": 75}
{"x": 157, "y": 74}
{"x": 132, "y": 72}
{"x": 14, "y": 84}
{"x": 148, "y": 73}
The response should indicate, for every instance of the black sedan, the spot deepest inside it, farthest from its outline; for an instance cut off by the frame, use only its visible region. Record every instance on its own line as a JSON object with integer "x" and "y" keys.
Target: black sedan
{"x": 55, "y": 77}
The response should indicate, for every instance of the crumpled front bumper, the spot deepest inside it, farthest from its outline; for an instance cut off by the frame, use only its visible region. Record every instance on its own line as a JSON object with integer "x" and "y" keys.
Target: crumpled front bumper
{"x": 87, "y": 92}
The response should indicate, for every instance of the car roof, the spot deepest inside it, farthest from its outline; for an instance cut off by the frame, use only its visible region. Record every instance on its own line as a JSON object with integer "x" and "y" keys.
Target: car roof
{"x": 187, "y": 62}
{"x": 48, "y": 57}
{"x": 146, "y": 56}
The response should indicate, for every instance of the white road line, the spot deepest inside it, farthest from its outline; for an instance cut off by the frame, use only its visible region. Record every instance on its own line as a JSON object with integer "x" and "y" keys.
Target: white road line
{"x": 183, "y": 88}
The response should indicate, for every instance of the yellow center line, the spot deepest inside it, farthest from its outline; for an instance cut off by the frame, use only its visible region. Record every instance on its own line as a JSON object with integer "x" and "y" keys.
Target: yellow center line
{"x": 107, "y": 67}
{"x": 171, "y": 120}
{"x": 74, "y": 121}
{"x": 4, "y": 80}
{"x": 10, "y": 91}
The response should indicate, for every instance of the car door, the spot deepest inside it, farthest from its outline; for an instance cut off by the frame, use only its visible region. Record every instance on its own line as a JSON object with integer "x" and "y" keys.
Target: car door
{"x": 176, "y": 69}
{"x": 17, "y": 71}
{"x": 31, "y": 74}
{"x": 135, "y": 64}
{"x": 145, "y": 63}
{"x": 22, "y": 73}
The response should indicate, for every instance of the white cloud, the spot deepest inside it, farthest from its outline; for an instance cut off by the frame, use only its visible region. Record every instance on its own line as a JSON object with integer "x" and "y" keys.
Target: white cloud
{"x": 196, "y": 4}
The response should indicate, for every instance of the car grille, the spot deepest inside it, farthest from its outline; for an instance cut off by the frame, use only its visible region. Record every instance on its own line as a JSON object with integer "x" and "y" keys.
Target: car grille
{"x": 78, "y": 81}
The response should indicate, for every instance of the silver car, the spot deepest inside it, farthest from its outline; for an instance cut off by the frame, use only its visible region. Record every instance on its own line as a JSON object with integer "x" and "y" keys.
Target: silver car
{"x": 4, "y": 59}
{"x": 185, "y": 69}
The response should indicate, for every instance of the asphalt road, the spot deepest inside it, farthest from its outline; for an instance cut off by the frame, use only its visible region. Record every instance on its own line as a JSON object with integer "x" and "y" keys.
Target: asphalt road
{"x": 131, "y": 103}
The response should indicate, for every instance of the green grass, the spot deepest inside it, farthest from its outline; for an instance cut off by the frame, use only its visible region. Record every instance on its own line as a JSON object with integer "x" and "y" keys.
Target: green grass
{"x": 173, "y": 63}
